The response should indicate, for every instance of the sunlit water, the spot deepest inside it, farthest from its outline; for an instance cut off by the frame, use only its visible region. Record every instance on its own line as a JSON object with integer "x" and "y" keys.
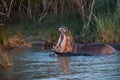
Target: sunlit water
{"x": 38, "y": 65}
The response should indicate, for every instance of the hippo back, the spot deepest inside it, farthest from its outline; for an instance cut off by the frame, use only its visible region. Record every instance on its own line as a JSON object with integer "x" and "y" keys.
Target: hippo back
{"x": 95, "y": 48}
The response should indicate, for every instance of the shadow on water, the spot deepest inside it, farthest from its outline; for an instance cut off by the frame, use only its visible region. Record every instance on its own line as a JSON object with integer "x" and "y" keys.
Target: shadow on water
{"x": 36, "y": 64}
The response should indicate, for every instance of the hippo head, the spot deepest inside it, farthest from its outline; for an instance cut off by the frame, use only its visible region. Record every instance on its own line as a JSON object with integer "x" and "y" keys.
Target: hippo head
{"x": 63, "y": 40}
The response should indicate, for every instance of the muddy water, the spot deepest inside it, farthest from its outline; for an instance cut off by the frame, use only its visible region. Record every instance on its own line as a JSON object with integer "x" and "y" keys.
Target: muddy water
{"x": 36, "y": 64}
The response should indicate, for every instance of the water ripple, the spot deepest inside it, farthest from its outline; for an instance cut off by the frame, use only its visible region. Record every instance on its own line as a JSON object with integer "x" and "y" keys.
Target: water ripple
{"x": 40, "y": 66}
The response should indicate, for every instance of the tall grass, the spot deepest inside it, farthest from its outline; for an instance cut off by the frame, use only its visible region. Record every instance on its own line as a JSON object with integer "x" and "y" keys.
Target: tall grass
{"x": 108, "y": 29}
{"x": 5, "y": 60}
{"x": 3, "y": 38}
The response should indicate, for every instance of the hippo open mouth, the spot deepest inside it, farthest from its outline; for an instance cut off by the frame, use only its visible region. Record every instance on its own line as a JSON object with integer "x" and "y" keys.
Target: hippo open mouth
{"x": 62, "y": 38}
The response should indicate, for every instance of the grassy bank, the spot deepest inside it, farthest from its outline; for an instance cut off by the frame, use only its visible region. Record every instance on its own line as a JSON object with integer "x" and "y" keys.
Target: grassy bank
{"x": 103, "y": 29}
{"x": 5, "y": 60}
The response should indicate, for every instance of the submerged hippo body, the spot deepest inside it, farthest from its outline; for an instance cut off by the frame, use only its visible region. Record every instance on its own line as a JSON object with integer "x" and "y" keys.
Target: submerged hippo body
{"x": 95, "y": 48}
{"x": 66, "y": 46}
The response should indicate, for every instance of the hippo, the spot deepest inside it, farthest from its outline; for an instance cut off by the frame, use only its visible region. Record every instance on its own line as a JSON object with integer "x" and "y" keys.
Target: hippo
{"x": 66, "y": 46}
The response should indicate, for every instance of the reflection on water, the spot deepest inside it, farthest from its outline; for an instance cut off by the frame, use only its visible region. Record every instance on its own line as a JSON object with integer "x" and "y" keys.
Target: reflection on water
{"x": 31, "y": 64}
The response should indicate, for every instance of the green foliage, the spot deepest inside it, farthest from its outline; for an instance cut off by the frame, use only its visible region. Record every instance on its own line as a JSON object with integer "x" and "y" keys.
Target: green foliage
{"x": 105, "y": 7}
{"x": 47, "y": 28}
{"x": 5, "y": 60}
{"x": 3, "y": 37}
{"x": 103, "y": 27}
{"x": 107, "y": 29}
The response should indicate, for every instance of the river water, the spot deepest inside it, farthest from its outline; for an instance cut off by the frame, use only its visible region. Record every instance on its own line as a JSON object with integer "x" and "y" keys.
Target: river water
{"x": 36, "y": 64}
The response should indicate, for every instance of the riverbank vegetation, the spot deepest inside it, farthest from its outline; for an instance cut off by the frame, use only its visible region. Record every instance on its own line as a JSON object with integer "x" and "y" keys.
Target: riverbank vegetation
{"x": 5, "y": 59}
{"x": 87, "y": 20}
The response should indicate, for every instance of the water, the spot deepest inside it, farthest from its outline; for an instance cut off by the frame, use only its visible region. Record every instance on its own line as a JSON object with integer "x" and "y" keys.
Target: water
{"x": 31, "y": 64}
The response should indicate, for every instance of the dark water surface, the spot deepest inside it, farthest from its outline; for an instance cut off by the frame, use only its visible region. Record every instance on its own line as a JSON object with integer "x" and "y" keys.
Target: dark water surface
{"x": 35, "y": 64}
